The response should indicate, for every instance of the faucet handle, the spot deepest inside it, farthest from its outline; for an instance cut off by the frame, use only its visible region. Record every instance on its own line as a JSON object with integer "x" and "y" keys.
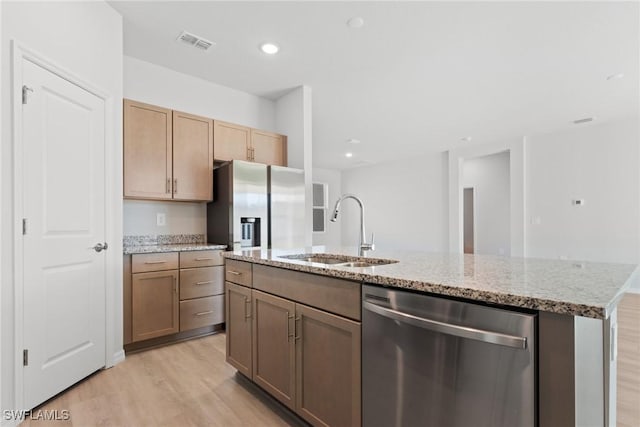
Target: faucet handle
{"x": 369, "y": 246}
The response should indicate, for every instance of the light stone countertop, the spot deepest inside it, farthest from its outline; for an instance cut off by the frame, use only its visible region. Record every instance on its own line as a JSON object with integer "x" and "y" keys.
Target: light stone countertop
{"x": 181, "y": 247}
{"x": 575, "y": 288}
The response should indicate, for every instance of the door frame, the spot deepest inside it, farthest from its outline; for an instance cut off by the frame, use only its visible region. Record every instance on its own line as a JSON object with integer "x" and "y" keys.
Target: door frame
{"x": 474, "y": 190}
{"x": 113, "y": 355}
{"x": 517, "y": 192}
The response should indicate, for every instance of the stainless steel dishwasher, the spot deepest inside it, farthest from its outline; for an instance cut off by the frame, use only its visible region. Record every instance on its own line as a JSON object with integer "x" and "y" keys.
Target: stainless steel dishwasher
{"x": 429, "y": 361}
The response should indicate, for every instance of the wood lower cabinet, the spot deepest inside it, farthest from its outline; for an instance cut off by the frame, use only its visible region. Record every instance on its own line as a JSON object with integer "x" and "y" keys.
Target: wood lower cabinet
{"x": 154, "y": 304}
{"x": 238, "y": 304}
{"x": 165, "y": 302}
{"x": 307, "y": 358}
{"x": 274, "y": 346}
{"x": 328, "y": 372}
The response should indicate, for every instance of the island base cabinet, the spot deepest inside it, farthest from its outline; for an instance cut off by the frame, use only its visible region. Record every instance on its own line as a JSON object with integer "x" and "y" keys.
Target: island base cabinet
{"x": 154, "y": 304}
{"x": 238, "y": 304}
{"x": 274, "y": 346}
{"x": 328, "y": 372}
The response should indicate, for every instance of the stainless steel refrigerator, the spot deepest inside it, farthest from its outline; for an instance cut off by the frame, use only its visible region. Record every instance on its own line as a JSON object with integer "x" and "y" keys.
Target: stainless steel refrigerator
{"x": 246, "y": 195}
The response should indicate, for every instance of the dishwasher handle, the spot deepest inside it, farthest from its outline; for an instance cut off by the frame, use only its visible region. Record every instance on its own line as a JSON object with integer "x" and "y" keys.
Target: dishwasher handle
{"x": 447, "y": 328}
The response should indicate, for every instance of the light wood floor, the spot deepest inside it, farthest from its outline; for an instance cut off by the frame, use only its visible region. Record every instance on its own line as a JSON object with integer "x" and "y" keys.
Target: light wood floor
{"x": 189, "y": 384}
{"x": 184, "y": 384}
{"x": 629, "y": 361}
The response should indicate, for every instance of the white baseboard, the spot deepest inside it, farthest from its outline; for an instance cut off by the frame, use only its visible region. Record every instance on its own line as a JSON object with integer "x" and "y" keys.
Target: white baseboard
{"x": 118, "y": 357}
{"x": 633, "y": 290}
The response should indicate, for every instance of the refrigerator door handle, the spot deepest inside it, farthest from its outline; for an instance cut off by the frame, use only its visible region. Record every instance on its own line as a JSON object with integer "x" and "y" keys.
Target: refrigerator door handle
{"x": 447, "y": 328}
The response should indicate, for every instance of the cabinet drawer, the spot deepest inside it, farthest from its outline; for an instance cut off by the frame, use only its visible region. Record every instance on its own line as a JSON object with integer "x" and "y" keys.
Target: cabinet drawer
{"x": 200, "y": 312}
{"x": 201, "y": 282}
{"x": 337, "y": 296}
{"x": 141, "y": 263}
{"x": 238, "y": 272}
{"x": 200, "y": 259}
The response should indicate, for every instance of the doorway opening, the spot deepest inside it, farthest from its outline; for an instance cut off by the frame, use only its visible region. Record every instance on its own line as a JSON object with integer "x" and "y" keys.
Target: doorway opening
{"x": 468, "y": 232}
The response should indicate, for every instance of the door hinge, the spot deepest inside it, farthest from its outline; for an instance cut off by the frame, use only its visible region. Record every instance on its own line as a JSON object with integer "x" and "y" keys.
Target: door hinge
{"x": 24, "y": 226}
{"x": 25, "y": 357}
{"x": 25, "y": 93}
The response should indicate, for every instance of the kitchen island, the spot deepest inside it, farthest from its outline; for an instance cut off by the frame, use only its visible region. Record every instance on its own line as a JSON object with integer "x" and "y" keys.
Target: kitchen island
{"x": 574, "y": 304}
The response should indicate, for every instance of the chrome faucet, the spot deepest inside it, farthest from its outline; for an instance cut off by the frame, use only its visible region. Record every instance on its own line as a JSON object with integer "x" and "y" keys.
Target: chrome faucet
{"x": 364, "y": 246}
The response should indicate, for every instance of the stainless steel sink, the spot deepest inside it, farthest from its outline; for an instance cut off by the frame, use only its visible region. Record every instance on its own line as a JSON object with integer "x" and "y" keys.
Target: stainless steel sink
{"x": 339, "y": 260}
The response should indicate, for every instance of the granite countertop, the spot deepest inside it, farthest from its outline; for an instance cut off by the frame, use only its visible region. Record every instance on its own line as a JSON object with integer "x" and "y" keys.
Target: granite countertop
{"x": 149, "y": 243}
{"x": 575, "y": 288}
{"x": 180, "y": 247}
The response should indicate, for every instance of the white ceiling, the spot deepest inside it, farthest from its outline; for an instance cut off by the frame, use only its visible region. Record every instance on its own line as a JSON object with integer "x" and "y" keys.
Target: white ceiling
{"x": 418, "y": 76}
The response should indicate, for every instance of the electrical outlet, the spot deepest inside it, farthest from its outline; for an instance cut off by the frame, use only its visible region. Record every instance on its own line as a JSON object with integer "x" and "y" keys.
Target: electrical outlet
{"x": 161, "y": 219}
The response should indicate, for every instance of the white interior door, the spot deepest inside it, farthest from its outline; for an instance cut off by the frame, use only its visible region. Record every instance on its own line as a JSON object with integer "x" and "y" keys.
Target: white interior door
{"x": 64, "y": 206}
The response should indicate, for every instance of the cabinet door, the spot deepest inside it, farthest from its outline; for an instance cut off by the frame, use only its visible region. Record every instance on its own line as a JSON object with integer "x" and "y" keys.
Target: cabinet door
{"x": 238, "y": 325}
{"x": 230, "y": 142}
{"x": 268, "y": 148}
{"x": 328, "y": 377}
{"x": 154, "y": 304}
{"x": 147, "y": 151}
{"x": 192, "y": 157}
{"x": 274, "y": 346}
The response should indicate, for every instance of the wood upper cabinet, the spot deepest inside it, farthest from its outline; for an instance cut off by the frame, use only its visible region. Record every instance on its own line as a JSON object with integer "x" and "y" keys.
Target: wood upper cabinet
{"x": 168, "y": 155}
{"x": 154, "y": 304}
{"x": 268, "y": 148}
{"x": 328, "y": 368}
{"x": 235, "y": 142}
{"x": 274, "y": 346}
{"x": 238, "y": 303}
{"x": 231, "y": 142}
{"x": 147, "y": 151}
{"x": 192, "y": 157}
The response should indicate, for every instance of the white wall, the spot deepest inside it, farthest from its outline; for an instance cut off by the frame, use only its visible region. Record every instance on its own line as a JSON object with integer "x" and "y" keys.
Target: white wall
{"x": 86, "y": 39}
{"x": 333, "y": 179}
{"x": 181, "y": 218}
{"x": 489, "y": 176}
{"x": 161, "y": 86}
{"x": 597, "y": 163}
{"x": 293, "y": 118}
{"x": 405, "y": 201}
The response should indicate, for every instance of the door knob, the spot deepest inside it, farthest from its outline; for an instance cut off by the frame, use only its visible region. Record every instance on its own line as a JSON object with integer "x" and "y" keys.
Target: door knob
{"x": 100, "y": 247}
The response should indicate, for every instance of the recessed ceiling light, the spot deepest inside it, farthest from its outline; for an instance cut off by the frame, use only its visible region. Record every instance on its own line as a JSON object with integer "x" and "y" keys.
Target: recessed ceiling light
{"x": 348, "y": 155}
{"x": 269, "y": 48}
{"x": 466, "y": 139}
{"x": 615, "y": 76}
{"x": 585, "y": 120}
{"x": 353, "y": 141}
{"x": 355, "y": 22}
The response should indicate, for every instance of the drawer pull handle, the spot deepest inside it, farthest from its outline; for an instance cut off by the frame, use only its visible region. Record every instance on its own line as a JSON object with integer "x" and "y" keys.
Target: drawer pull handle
{"x": 203, "y": 313}
{"x": 204, "y": 283}
{"x": 247, "y": 301}
{"x": 235, "y": 273}
{"x": 204, "y": 259}
{"x": 155, "y": 262}
{"x": 299, "y": 336}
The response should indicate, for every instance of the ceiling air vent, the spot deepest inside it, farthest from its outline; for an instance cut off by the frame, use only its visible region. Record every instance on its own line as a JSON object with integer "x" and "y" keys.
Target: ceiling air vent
{"x": 195, "y": 41}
